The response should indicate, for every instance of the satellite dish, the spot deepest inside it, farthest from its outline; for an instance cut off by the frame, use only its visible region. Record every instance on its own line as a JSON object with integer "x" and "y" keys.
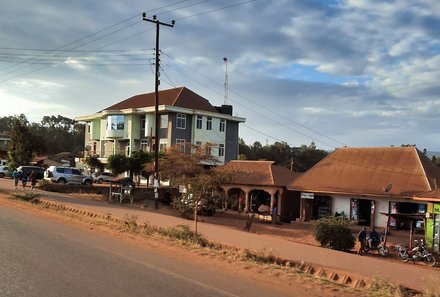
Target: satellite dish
{"x": 387, "y": 188}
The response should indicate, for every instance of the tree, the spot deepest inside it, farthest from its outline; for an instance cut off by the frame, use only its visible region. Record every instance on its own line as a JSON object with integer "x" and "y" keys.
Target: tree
{"x": 194, "y": 174}
{"x": 117, "y": 163}
{"x": 137, "y": 162}
{"x": 94, "y": 163}
{"x": 21, "y": 146}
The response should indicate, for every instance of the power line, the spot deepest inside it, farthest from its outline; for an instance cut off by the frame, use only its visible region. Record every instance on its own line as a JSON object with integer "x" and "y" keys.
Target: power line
{"x": 265, "y": 108}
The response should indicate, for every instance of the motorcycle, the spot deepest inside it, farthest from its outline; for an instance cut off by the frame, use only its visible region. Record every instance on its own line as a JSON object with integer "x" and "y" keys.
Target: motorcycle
{"x": 378, "y": 246}
{"x": 419, "y": 253}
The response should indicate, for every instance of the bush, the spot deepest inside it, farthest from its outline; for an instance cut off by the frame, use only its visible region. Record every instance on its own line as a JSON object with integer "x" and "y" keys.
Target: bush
{"x": 334, "y": 233}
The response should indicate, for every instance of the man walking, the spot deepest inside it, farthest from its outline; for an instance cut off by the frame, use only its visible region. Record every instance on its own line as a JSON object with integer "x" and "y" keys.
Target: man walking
{"x": 362, "y": 238}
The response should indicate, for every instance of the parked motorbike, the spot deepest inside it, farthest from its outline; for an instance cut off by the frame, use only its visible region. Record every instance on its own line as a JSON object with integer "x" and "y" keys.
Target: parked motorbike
{"x": 419, "y": 253}
{"x": 378, "y": 246}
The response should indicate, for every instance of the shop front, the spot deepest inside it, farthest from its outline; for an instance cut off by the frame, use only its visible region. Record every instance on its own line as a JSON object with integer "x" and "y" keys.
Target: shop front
{"x": 433, "y": 226}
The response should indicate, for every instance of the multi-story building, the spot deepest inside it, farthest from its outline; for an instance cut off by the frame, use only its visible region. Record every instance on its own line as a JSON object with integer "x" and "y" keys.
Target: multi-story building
{"x": 186, "y": 119}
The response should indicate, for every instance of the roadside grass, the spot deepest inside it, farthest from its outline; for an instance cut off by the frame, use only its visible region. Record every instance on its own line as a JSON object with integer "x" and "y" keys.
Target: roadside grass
{"x": 264, "y": 259}
{"x": 31, "y": 197}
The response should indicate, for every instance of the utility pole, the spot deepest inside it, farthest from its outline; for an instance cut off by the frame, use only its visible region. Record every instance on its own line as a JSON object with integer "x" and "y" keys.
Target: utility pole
{"x": 156, "y": 106}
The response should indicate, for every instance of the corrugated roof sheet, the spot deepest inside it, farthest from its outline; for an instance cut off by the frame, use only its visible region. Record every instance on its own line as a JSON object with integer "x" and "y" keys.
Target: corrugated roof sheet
{"x": 180, "y": 97}
{"x": 260, "y": 173}
{"x": 367, "y": 171}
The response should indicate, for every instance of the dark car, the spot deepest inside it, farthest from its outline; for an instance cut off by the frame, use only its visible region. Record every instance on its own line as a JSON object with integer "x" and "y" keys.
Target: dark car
{"x": 26, "y": 171}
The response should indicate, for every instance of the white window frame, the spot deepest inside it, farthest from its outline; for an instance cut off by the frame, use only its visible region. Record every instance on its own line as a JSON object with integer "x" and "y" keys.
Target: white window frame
{"x": 163, "y": 121}
{"x": 221, "y": 150}
{"x": 209, "y": 123}
{"x": 181, "y": 121}
{"x": 222, "y": 126}
{"x": 199, "y": 122}
{"x": 181, "y": 144}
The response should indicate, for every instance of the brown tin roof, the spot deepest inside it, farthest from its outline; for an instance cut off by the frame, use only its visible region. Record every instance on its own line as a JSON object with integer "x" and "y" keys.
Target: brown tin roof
{"x": 433, "y": 195}
{"x": 368, "y": 171}
{"x": 260, "y": 173}
{"x": 180, "y": 97}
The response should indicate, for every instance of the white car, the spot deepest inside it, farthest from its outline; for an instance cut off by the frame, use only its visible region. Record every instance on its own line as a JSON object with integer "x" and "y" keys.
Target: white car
{"x": 3, "y": 171}
{"x": 66, "y": 175}
{"x": 103, "y": 177}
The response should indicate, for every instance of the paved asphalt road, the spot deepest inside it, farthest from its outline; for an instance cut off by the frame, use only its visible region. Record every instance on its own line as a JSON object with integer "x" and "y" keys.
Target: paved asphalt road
{"x": 39, "y": 257}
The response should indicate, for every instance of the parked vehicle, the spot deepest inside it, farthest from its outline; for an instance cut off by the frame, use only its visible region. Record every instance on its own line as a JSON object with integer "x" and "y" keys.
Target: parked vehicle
{"x": 378, "y": 246}
{"x": 3, "y": 171}
{"x": 26, "y": 171}
{"x": 103, "y": 177}
{"x": 419, "y": 253}
{"x": 66, "y": 175}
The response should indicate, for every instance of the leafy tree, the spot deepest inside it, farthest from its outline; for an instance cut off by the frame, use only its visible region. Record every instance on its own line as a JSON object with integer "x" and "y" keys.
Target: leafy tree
{"x": 305, "y": 157}
{"x": 302, "y": 158}
{"x": 194, "y": 173}
{"x": 94, "y": 163}
{"x": 137, "y": 162}
{"x": 117, "y": 163}
{"x": 21, "y": 146}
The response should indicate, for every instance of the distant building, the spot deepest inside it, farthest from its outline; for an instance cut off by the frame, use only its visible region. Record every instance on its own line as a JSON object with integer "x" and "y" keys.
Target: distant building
{"x": 186, "y": 119}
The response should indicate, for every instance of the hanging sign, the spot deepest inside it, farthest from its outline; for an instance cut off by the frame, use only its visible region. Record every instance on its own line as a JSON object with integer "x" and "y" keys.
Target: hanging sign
{"x": 305, "y": 195}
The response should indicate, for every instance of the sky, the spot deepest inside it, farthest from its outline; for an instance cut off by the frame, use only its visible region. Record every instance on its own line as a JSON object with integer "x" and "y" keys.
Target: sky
{"x": 358, "y": 73}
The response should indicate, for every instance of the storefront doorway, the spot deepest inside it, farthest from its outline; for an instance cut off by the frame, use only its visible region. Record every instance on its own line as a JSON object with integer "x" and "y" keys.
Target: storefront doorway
{"x": 362, "y": 210}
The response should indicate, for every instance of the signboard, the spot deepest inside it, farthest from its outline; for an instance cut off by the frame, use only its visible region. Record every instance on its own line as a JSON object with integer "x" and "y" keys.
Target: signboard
{"x": 436, "y": 208}
{"x": 307, "y": 195}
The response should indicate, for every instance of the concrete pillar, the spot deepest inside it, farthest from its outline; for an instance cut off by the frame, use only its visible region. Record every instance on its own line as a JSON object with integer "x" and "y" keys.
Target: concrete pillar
{"x": 246, "y": 207}
{"x": 272, "y": 200}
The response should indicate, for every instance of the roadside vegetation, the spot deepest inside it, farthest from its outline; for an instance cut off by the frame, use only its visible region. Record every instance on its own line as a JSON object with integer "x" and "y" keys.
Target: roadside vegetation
{"x": 334, "y": 233}
{"x": 181, "y": 236}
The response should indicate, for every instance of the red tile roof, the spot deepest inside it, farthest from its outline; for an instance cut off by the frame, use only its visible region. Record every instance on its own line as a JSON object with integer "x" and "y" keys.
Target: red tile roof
{"x": 260, "y": 173}
{"x": 367, "y": 171}
{"x": 180, "y": 97}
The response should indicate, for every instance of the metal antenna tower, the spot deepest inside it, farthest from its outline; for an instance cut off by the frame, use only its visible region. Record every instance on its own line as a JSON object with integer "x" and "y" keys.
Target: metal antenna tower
{"x": 226, "y": 80}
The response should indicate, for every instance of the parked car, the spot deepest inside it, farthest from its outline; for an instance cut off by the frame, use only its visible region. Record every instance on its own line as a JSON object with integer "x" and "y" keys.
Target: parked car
{"x": 3, "y": 171}
{"x": 26, "y": 171}
{"x": 103, "y": 177}
{"x": 66, "y": 175}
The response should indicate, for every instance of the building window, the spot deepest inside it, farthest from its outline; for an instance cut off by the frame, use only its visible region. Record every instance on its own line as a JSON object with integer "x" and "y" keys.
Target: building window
{"x": 144, "y": 145}
{"x": 88, "y": 127}
{"x": 164, "y": 121}
{"x": 181, "y": 121}
{"x": 143, "y": 122}
{"x": 222, "y": 125}
{"x": 209, "y": 123}
{"x": 115, "y": 122}
{"x": 198, "y": 143}
{"x": 208, "y": 150}
{"x": 199, "y": 122}
{"x": 180, "y": 145}
{"x": 221, "y": 150}
{"x": 163, "y": 145}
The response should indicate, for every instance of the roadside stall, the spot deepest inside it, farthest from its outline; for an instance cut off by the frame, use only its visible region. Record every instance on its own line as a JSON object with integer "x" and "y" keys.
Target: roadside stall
{"x": 417, "y": 223}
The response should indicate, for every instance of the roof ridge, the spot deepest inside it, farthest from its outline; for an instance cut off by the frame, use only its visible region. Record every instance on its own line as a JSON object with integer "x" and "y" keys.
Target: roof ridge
{"x": 178, "y": 95}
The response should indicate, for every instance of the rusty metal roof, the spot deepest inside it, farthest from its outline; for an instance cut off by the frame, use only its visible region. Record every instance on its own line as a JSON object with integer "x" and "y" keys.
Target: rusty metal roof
{"x": 260, "y": 173}
{"x": 180, "y": 97}
{"x": 369, "y": 171}
{"x": 433, "y": 195}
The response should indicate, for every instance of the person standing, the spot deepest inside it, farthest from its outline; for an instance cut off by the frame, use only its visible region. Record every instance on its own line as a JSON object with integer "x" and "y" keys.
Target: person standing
{"x": 33, "y": 179}
{"x": 24, "y": 180}
{"x": 16, "y": 177}
{"x": 362, "y": 238}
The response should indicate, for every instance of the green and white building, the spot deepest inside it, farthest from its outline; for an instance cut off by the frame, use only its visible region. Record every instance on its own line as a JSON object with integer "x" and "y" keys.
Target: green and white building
{"x": 186, "y": 119}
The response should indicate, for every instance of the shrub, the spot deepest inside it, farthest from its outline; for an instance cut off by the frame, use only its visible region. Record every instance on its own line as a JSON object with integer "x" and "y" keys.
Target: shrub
{"x": 334, "y": 233}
